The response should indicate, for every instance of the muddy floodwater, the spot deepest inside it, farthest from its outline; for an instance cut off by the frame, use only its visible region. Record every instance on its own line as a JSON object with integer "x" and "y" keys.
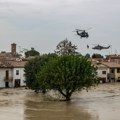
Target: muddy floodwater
{"x": 102, "y": 103}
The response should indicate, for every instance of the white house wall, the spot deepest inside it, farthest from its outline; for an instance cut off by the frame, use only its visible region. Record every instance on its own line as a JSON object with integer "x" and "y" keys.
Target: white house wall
{"x": 2, "y": 76}
{"x": 20, "y": 76}
{"x": 100, "y": 74}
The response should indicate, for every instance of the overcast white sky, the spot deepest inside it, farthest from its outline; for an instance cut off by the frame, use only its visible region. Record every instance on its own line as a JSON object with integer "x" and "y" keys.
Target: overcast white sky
{"x": 42, "y": 24}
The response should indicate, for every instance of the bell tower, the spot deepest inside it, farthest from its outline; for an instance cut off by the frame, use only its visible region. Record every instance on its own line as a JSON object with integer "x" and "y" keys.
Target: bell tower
{"x": 13, "y": 48}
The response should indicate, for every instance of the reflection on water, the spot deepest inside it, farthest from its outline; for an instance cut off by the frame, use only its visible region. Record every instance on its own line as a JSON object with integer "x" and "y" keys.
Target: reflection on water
{"x": 54, "y": 110}
{"x": 101, "y": 103}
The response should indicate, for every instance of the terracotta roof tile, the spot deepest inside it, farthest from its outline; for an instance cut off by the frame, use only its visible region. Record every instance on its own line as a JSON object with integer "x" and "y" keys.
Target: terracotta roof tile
{"x": 13, "y": 64}
{"x": 18, "y": 63}
{"x": 111, "y": 64}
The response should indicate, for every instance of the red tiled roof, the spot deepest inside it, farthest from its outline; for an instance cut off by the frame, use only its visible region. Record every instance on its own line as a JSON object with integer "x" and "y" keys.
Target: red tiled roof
{"x": 114, "y": 57}
{"x": 12, "y": 64}
{"x": 4, "y": 64}
{"x": 17, "y": 63}
{"x": 111, "y": 64}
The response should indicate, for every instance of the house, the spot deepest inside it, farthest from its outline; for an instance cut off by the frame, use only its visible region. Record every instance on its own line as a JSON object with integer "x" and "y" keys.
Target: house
{"x": 12, "y": 69}
{"x": 102, "y": 72}
{"x": 12, "y": 73}
{"x": 108, "y": 69}
{"x": 113, "y": 71}
{"x": 113, "y": 58}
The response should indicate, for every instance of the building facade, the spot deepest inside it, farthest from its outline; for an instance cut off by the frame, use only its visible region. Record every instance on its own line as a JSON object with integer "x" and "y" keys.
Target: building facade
{"x": 102, "y": 72}
{"x": 113, "y": 71}
{"x": 12, "y": 74}
{"x": 11, "y": 68}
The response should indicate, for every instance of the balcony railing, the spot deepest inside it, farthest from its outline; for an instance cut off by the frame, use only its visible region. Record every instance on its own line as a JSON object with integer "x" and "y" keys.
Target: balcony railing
{"x": 8, "y": 79}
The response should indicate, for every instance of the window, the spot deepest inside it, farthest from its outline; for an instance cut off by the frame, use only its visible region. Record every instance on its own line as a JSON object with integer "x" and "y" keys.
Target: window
{"x": 118, "y": 70}
{"x": 17, "y": 72}
{"x": 7, "y": 74}
{"x": 103, "y": 72}
{"x": 112, "y": 70}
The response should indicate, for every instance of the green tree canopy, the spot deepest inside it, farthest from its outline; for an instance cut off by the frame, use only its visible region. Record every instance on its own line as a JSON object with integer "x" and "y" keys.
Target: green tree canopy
{"x": 32, "y": 52}
{"x": 33, "y": 66}
{"x": 95, "y": 55}
{"x": 67, "y": 74}
{"x": 87, "y": 55}
{"x": 66, "y": 47}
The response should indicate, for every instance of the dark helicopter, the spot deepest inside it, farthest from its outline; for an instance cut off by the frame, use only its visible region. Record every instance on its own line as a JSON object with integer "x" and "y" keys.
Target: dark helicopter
{"x": 99, "y": 47}
{"x": 82, "y": 33}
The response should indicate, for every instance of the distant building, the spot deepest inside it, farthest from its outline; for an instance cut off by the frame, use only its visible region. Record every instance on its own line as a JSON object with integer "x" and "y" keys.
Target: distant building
{"x": 10, "y": 55}
{"x": 113, "y": 71}
{"x": 12, "y": 73}
{"x": 13, "y": 49}
{"x": 102, "y": 72}
{"x": 12, "y": 68}
{"x": 113, "y": 58}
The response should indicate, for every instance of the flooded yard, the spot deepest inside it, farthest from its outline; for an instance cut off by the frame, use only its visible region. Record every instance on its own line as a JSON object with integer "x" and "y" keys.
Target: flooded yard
{"x": 101, "y": 103}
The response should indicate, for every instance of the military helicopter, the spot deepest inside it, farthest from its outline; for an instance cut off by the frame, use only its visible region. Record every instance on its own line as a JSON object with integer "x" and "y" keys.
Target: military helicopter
{"x": 82, "y": 33}
{"x": 99, "y": 47}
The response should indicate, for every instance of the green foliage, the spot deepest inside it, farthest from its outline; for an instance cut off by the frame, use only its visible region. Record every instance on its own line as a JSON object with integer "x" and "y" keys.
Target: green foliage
{"x": 67, "y": 74}
{"x": 32, "y": 52}
{"x": 65, "y": 47}
{"x": 97, "y": 56}
{"x": 31, "y": 69}
{"x": 87, "y": 55}
{"x": 33, "y": 66}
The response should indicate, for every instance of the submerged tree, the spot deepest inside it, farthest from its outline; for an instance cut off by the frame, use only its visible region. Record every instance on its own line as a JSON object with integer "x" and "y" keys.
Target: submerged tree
{"x": 67, "y": 74}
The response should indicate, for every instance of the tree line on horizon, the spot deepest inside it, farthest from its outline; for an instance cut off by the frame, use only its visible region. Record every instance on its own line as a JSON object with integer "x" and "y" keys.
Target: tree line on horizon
{"x": 72, "y": 49}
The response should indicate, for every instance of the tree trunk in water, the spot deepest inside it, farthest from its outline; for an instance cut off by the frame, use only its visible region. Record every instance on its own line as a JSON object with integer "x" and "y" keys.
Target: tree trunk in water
{"x": 68, "y": 97}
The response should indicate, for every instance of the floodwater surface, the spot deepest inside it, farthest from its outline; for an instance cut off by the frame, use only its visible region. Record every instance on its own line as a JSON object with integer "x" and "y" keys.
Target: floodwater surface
{"x": 100, "y": 103}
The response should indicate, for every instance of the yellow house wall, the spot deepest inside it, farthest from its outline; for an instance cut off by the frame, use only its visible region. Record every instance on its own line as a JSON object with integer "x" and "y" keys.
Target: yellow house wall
{"x": 117, "y": 75}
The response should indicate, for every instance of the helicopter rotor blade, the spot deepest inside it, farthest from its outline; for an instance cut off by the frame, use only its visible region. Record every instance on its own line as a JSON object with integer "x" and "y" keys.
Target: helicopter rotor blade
{"x": 79, "y": 30}
{"x": 95, "y": 44}
{"x": 89, "y": 28}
